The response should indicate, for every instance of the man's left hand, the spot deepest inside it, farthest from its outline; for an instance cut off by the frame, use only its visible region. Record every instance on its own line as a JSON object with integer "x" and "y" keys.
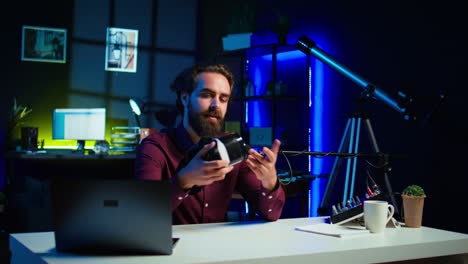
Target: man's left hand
{"x": 264, "y": 167}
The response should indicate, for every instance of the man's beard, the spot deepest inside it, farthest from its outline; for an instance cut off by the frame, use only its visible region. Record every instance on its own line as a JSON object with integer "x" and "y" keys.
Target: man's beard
{"x": 203, "y": 126}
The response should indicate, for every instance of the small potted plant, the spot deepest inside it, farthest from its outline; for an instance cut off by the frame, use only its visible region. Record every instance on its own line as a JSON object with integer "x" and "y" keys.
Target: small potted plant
{"x": 15, "y": 121}
{"x": 413, "y": 204}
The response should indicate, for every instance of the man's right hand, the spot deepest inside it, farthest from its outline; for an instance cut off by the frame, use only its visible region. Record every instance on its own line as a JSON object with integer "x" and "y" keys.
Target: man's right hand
{"x": 201, "y": 172}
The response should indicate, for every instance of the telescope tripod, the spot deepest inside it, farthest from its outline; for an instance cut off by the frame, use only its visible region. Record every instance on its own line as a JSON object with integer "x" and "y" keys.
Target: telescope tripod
{"x": 350, "y": 143}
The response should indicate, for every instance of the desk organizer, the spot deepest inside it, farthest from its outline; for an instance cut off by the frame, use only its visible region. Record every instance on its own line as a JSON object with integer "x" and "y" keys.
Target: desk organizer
{"x": 354, "y": 212}
{"x": 125, "y": 138}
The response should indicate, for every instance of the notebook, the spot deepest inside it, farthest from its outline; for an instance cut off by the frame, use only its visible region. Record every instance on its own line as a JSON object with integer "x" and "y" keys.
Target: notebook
{"x": 112, "y": 216}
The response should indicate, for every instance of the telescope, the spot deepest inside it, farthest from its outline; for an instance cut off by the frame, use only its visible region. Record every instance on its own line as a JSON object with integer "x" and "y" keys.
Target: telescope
{"x": 403, "y": 104}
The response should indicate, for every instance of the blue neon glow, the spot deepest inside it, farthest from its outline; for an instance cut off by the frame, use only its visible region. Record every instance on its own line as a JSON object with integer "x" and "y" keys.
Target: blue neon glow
{"x": 286, "y": 56}
{"x": 317, "y": 112}
{"x": 309, "y": 143}
{"x": 318, "y": 115}
{"x": 257, "y": 81}
{"x": 247, "y": 112}
{"x": 259, "y": 71}
{"x": 258, "y": 120}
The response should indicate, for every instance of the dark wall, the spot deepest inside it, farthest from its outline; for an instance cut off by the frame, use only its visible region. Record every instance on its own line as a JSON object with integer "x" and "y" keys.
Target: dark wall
{"x": 411, "y": 46}
{"x": 36, "y": 85}
{"x": 419, "y": 48}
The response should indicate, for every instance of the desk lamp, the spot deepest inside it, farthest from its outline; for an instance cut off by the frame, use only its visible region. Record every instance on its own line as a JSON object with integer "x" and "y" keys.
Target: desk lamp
{"x": 137, "y": 108}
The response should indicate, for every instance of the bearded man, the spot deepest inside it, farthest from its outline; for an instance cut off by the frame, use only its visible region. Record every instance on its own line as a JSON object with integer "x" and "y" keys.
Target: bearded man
{"x": 201, "y": 189}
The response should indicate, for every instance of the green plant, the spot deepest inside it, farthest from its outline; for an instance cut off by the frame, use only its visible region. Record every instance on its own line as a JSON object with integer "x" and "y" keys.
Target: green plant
{"x": 18, "y": 113}
{"x": 414, "y": 190}
{"x": 15, "y": 120}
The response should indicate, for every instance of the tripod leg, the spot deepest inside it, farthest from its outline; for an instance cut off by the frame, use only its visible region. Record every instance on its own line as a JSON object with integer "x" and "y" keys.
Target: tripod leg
{"x": 336, "y": 168}
{"x": 355, "y": 160}
{"x": 349, "y": 161}
{"x": 377, "y": 150}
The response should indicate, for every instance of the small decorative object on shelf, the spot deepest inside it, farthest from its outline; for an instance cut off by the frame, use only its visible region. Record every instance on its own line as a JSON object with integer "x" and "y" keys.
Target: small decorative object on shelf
{"x": 413, "y": 204}
{"x": 124, "y": 138}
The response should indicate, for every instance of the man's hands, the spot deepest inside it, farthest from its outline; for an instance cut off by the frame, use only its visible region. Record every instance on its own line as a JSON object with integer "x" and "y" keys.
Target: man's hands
{"x": 265, "y": 167}
{"x": 201, "y": 172}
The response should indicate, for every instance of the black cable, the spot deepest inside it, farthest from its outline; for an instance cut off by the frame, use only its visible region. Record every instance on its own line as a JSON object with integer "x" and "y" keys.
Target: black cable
{"x": 290, "y": 171}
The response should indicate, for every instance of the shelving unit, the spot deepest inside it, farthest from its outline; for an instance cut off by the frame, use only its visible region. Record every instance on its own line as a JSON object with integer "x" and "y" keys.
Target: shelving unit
{"x": 272, "y": 92}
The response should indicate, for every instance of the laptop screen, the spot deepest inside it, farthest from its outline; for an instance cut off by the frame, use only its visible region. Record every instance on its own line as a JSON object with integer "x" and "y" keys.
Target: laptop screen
{"x": 112, "y": 215}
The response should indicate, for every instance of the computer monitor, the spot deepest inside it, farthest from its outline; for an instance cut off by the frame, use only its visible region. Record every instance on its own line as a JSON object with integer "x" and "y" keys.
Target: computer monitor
{"x": 79, "y": 124}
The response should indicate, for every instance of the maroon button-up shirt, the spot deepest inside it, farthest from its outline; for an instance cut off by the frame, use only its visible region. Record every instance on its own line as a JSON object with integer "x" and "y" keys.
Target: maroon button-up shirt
{"x": 158, "y": 157}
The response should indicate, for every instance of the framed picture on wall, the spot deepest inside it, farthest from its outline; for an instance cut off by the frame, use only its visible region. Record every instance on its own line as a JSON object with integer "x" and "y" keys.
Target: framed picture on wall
{"x": 44, "y": 44}
{"x": 121, "y": 49}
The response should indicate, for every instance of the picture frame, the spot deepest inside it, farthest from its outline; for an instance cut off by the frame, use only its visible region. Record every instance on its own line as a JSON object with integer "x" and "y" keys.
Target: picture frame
{"x": 44, "y": 44}
{"x": 121, "y": 49}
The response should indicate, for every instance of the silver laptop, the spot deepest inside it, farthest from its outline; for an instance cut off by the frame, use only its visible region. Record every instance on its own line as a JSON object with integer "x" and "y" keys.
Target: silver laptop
{"x": 112, "y": 216}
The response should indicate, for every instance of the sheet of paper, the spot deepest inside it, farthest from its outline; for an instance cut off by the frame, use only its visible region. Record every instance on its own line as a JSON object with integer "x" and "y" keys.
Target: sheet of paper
{"x": 334, "y": 230}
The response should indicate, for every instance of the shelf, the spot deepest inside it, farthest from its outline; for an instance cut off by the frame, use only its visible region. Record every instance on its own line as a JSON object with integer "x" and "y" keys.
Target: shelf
{"x": 133, "y": 142}
{"x": 270, "y": 97}
{"x": 279, "y": 88}
{"x": 126, "y": 136}
{"x": 259, "y": 50}
{"x": 291, "y": 148}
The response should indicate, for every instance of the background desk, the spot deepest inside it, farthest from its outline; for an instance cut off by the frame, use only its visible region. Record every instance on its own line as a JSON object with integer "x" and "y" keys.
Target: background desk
{"x": 266, "y": 242}
{"x": 28, "y": 185}
{"x": 28, "y": 175}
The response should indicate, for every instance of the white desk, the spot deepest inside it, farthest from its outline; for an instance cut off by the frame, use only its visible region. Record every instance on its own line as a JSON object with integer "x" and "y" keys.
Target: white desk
{"x": 266, "y": 242}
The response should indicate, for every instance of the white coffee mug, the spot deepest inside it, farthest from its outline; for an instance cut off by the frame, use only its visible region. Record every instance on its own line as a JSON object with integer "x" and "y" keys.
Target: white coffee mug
{"x": 377, "y": 214}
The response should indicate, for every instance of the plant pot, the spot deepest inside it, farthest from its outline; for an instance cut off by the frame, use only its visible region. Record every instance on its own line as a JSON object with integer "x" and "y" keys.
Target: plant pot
{"x": 413, "y": 210}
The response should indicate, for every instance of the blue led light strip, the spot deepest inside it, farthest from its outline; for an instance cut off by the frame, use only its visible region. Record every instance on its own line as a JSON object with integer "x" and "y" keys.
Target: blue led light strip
{"x": 316, "y": 108}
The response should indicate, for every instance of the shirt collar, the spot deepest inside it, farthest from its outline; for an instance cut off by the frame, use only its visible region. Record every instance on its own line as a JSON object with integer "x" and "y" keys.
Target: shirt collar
{"x": 180, "y": 137}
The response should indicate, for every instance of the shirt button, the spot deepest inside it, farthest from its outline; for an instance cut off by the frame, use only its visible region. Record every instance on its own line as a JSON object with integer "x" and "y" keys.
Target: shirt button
{"x": 269, "y": 197}
{"x": 180, "y": 197}
{"x": 206, "y": 205}
{"x": 269, "y": 210}
{"x": 263, "y": 193}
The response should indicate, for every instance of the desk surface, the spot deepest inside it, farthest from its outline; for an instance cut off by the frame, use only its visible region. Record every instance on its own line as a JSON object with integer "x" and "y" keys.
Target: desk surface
{"x": 66, "y": 155}
{"x": 263, "y": 242}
